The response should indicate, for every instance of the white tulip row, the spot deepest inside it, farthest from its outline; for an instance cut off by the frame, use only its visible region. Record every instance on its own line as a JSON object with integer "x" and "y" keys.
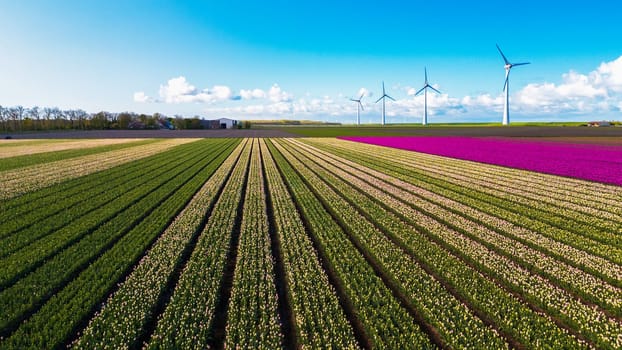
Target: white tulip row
{"x": 563, "y": 189}
{"x": 589, "y": 321}
{"x": 320, "y": 321}
{"x": 596, "y": 290}
{"x": 22, "y": 180}
{"x": 584, "y": 217}
{"x": 120, "y": 322}
{"x": 447, "y": 315}
{"x": 253, "y": 318}
{"x": 57, "y": 297}
{"x": 501, "y": 211}
{"x": 17, "y": 149}
{"x": 521, "y": 189}
{"x": 186, "y": 322}
{"x": 385, "y": 323}
{"x": 507, "y": 313}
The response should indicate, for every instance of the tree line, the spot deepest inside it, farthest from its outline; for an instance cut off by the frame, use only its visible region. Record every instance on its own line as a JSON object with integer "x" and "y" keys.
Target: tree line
{"x": 20, "y": 119}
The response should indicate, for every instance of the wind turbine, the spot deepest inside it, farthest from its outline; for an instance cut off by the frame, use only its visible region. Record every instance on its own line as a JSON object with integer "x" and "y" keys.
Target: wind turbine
{"x": 359, "y": 107}
{"x": 425, "y": 96}
{"x": 384, "y": 95}
{"x": 506, "y": 86}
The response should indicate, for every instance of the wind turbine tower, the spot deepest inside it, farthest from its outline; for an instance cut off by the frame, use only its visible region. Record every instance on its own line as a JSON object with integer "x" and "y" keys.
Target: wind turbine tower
{"x": 425, "y": 96}
{"x": 359, "y": 107}
{"x": 383, "y": 97}
{"x": 506, "y": 86}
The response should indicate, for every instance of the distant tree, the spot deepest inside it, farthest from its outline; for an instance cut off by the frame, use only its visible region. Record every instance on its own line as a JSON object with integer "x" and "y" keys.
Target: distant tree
{"x": 73, "y": 117}
{"x": 35, "y": 115}
{"x": 57, "y": 116}
{"x": 124, "y": 119}
{"x": 27, "y": 124}
{"x": 20, "y": 111}
{"x": 99, "y": 121}
{"x": 47, "y": 114}
{"x": 179, "y": 122}
{"x": 13, "y": 116}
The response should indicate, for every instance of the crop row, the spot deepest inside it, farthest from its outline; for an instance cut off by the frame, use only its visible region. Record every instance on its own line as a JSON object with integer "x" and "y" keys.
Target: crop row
{"x": 577, "y": 164}
{"x": 501, "y": 210}
{"x": 455, "y": 215}
{"x": 252, "y": 316}
{"x": 308, "y": 243}
{"x": 29, "y": 208}
{"x": 95, "y": 227}
{"x": 19, "y": 157}
{"x": 51, "y": 213}
{"x": 116, "y": 192}
{"x": 188, "y": 318}
{"x": 444, "y": 314}
{"x": 562, "y": 189}
{"x": 558, "y": 213}
{"x": 74, "y": 283}
{"x": 125, "y": 315}
{"x": 24, "y": 147}
{"x": 385, "y": 323}
{"x": 558, "y": 196}
{"x": 319, "y": 320}
{"x": 22, "y": 180}
{"x": 589, "y": 322}
{"x": 29, "y": 204}
{"x": 511, "y": 316}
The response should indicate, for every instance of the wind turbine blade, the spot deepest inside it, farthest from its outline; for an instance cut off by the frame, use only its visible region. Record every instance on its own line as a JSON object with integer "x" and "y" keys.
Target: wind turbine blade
{"x": 502, "y": 55}
{"x": 425, "y": 70}
{"x": 360, "y": 98}
{"x": 360, "y": 104}
{"x": 384, "y": 93}
{"x": 353, "y": 100}
{"x": 520, "y": 64}
{"x": 420, "y": 90}
{"x": 390, "y": 97}
{"x": 378, "y": 100}
{"x": 505, "y": 85}
{"x": 434, "y": 89}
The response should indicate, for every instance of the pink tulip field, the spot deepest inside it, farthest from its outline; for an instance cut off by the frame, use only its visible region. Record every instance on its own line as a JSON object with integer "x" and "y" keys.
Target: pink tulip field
{"x": 588, "y": 162}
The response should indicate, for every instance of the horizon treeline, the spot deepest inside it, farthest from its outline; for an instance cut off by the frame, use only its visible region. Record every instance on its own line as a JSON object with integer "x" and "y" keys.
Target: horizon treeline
{"x": 19, "y": 119}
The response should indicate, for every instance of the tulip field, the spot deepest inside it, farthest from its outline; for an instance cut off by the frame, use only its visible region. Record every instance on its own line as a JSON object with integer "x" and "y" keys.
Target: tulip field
{"x": 267, "y": 243}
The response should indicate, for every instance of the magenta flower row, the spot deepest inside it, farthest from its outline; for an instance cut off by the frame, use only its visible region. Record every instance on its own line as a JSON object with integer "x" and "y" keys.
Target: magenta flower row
{"x": 587, "y": 162}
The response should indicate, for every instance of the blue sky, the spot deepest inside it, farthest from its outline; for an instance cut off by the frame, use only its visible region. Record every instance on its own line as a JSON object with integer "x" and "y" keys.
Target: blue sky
{"x": 294, "y": 60}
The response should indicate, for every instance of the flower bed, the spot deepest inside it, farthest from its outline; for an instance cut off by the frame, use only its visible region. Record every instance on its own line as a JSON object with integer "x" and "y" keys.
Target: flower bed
{"x": 587, "y": 162}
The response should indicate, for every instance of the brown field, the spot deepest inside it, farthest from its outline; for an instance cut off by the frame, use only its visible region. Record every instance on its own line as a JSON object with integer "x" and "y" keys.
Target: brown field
{"x": 591, "y": 140}
{"x": 112, "y": 134}
{"x": 606, "y": 136}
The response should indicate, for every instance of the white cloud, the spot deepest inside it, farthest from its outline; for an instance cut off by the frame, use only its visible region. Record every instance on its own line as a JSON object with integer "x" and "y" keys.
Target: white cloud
{"x": 179, "y": 90}
{"x": 221, "y": 92}
{"x": 276, "y": 94}
{"x": 609, "y": 75}
{"x": 577, "y": 93}
{"x": 141, "y": 97}
{"x": 252, "y": 94}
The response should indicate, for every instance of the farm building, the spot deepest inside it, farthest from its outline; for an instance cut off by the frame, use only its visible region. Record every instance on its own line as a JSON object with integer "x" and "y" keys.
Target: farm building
{"x": 221, "y": 123}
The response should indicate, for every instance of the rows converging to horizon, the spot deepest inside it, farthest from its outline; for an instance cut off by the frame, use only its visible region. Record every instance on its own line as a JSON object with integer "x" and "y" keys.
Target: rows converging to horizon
{"x": 302, "y": 242}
